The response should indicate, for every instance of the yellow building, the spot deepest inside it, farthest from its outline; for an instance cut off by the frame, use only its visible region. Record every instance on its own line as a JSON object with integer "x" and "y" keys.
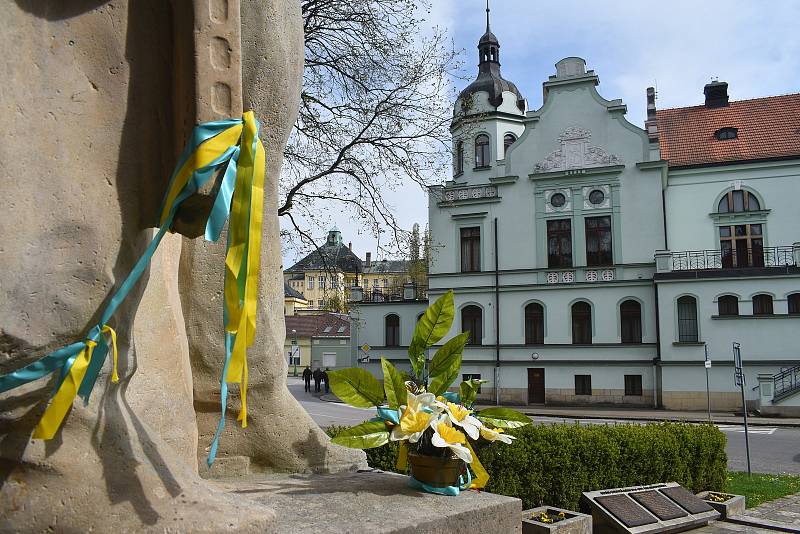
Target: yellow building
{"x": 293, "y": 300}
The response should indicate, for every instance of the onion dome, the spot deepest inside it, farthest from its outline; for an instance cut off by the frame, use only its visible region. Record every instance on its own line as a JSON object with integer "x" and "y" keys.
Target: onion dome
{"x": 489, "y": 79}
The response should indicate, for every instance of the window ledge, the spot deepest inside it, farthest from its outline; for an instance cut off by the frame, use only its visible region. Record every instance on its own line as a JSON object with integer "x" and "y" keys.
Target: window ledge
{"x": 484, "y": 168}
{"x": 458, "y": 174}
{"x": 688, "y": 343}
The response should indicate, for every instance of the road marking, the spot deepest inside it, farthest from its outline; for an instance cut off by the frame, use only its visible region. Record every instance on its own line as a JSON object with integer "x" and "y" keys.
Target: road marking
{"x": 757, "y": 430}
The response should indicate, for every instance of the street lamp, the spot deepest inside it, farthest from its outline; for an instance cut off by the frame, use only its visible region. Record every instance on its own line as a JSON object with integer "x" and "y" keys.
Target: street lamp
{"x": 294, "y": 349}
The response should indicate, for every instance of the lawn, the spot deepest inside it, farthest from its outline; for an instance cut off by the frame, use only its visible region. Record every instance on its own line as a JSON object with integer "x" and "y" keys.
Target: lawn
{"x": 761, "y": 488}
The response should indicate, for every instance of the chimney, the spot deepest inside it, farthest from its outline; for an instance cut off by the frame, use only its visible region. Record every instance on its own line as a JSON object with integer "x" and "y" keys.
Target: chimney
{"x": 716, "y": 94}
{"x": 651, "y": 124}
{"x": 368, "y": 263}
{"x": 350, "y": 246}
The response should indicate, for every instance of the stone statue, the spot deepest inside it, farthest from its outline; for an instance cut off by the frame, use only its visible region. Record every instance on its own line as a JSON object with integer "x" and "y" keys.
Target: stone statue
{"x": 98, "y": 99}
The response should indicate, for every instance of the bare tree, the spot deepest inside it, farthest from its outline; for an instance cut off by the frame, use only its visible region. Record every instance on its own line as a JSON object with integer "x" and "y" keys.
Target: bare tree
{"x": 375, "y": 113}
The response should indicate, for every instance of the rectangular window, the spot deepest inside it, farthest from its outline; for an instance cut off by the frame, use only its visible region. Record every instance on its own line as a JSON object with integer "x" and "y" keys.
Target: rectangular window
{"x": 385, "y": 282}
{"x": 559, "y": 243}
{"x": 470, "y": 249}
{"x": 321, "y": 280}
{"x": 310, "y": 282}
{"x": 329, "y": 359}
{"x": 598, "y": 241}
{"x": 583, "y": 384}
{"x": 334, "y": 283}
{"x": 321, "y": 303}
{"x": 633, "y": 385}
{"x": 470, "y": 376}
{"x": 375, "y": 283}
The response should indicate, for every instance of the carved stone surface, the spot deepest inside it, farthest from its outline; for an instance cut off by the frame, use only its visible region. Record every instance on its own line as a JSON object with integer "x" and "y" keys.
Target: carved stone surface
{"x": 470, "y": 193}
{"x": 658, "y": 505}
{"x": 626, "y": 510}
{"x": 99, "y": 98}
{"x": 576, "y": 153}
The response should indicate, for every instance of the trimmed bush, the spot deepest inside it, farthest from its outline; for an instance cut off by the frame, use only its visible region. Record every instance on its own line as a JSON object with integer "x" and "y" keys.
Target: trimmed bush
{"x": 553, "y": 464}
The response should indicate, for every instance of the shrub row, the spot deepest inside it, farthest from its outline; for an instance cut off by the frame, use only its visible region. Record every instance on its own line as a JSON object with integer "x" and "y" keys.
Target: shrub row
{"x": 553, "y": 464}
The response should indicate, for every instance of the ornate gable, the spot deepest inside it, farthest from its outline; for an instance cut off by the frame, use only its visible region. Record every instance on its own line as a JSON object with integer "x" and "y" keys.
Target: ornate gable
{"x": 576, "y": 153}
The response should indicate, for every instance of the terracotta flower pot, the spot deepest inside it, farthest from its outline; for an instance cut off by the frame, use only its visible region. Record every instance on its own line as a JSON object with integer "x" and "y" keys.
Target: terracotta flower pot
{"x": 435, "y": 471}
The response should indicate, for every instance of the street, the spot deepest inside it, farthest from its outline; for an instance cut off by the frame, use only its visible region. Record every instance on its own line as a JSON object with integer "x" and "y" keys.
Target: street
{"x": 772, "y": 449}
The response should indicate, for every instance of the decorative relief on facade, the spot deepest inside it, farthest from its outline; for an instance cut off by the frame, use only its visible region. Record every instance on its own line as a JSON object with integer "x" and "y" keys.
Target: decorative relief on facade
{"x": 607, "y": 275}
{"x": 568, "y": 277}
{"x": 557, "y": 200}
{"x": 470, "y": 193}
{"x": 552, "y": 278}
{"x": 576, "y": 153}
{"x": 596, "y": 197}
{"x": 591, "y": 276}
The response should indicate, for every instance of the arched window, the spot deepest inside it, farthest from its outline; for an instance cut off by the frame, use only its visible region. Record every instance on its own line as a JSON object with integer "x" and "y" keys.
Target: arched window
{"x": 738, "y": 201}
{"x": 687, "y": 320}
{"x": 459, "y": 157}
{"x": 482, "y": 151}
{"x": 728, "y": 305}
{"x": 471, "y": 321}
{"x": 630, "y": 313}
{"x": 794, "y": 303}
{"x": 534, "y": 324}
{"x": 581, "y": 323}
{"x": 762, "y": 305}
{"x": 508, "y": 140}
{"x": 392, "y": 330}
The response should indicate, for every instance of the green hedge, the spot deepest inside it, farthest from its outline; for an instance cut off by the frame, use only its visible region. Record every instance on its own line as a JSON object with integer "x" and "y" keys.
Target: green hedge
{"x": 553, "y": 464}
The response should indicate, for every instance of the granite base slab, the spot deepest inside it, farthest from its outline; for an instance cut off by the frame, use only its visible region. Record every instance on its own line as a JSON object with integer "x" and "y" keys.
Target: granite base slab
{"x": 372, "y": 502}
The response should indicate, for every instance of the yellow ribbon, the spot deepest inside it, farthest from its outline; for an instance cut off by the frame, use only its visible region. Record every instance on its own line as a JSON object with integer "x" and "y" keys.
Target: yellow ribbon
{"x": 402, "y": 457}
{"x": 62, "y": 401}
{"x": 206, "y": 152}
{"x": 481, "y": 476}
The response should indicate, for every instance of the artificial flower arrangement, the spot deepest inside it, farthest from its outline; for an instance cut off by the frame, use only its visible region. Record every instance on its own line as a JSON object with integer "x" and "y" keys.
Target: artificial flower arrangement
{"x": 435, "y": 427}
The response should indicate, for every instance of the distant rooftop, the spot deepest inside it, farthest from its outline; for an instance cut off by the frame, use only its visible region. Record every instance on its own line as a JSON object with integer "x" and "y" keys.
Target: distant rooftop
{"x": 289, "y": 292}
{"x": 333, "y": 255}
{"x": 321, "y": 325}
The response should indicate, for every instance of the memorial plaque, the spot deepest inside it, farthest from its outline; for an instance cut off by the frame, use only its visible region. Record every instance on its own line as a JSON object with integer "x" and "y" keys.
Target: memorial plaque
{"x": 687, "y": 500}
{"x": 659, "y": 505}
{"x": 626, "y": 510}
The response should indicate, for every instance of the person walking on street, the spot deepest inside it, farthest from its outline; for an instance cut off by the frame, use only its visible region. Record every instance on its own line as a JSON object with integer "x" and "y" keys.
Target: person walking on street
{"x": 317, "y": 379}
{"x": 325, "y": 379}
{"x": 307, "y": 378}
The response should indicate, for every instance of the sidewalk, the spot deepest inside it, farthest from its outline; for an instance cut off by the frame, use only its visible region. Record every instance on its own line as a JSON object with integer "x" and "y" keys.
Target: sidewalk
{"x": 637, "y": 414}
{"x": 631, "y": 414}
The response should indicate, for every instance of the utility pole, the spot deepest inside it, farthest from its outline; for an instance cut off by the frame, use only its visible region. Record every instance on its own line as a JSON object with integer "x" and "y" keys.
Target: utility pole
{"x": 740, "y": 380}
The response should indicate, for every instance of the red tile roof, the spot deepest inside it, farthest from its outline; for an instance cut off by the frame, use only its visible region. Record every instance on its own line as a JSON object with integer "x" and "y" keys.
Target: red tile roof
{"x": 337, "y": 325}
{"x": 768, "y": 127}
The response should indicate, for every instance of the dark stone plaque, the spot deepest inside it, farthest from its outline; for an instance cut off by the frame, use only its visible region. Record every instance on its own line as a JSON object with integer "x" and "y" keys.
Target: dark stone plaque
{"x": 687, "y": 500}
{"x": 662, "y": 507}
{"x": 626, "y": 510}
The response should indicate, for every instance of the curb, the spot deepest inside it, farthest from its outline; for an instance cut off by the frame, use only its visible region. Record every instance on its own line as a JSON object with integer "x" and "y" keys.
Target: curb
{"x": 750, "y": 420}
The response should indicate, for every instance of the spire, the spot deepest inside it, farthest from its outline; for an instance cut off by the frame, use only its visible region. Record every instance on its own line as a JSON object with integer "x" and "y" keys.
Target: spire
{"x": 488, "y": 47}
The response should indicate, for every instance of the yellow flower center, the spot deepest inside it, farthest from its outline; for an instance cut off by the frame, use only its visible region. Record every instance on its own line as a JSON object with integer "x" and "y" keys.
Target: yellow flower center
{"x": 413, "y": 421}
{"x": 450, "y": 434}
{"x": 458, "y": 412}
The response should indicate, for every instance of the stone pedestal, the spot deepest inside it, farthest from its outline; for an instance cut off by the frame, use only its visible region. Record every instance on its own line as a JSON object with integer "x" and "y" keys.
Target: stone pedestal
{"x": 372, "y": 502}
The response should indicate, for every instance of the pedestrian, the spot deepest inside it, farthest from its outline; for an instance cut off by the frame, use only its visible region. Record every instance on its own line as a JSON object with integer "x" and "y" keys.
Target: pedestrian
{"x": 307, "y": 378}
{"x": 317, "y": 379}
{"x": 325, "y": 379}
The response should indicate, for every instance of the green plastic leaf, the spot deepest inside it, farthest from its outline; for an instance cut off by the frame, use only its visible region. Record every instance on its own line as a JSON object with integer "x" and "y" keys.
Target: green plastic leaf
{"x": 469, "y": 390}
{"x": 394, "y": 384}
{"x": 442, "y": 381}
{"x": 357, "y": 387}
{"x": 447, "y": 354}
{"x": 364, "y": 436}
{"x": 503, "y": 417}
{"x": 431, "y": 327}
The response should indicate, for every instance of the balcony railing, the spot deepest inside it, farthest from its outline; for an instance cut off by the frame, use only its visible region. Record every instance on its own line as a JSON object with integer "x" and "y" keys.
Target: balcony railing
{"x": 786, "y": 382}
{"x": 394, "y": 294}
{"x": 740, "y": 258}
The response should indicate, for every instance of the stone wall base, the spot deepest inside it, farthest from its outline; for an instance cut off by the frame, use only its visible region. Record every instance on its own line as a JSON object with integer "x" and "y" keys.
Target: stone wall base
{"x": 373, "y": 501}
{"x": 697, "y": 400}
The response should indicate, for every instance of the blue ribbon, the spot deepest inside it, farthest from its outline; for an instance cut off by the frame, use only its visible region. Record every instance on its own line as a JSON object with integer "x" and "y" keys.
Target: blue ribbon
{"x": 64, "y": 357}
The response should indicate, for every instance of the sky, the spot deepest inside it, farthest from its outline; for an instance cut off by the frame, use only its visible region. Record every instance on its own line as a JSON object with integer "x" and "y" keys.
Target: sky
{"x": 676, "y": 46}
